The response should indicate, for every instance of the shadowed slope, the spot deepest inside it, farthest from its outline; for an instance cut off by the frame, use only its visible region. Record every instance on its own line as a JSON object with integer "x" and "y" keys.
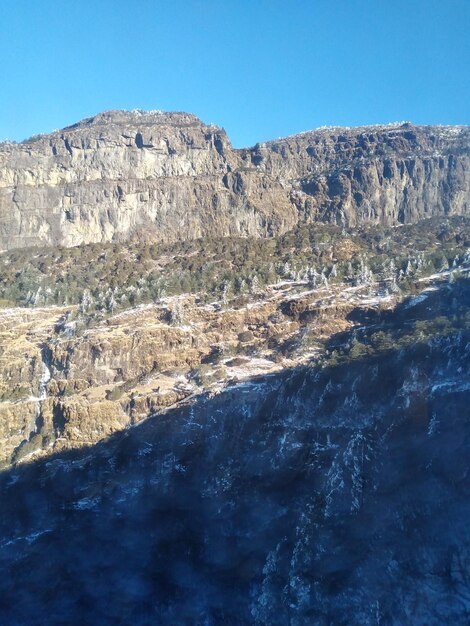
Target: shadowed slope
{"x": 332, "y": 496}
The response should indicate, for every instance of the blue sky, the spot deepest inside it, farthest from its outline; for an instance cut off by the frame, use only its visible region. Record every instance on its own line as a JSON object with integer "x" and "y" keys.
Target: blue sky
{"x": 259, "y": 68}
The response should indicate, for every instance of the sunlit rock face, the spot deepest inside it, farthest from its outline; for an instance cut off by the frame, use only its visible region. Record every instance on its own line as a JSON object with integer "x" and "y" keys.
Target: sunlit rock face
{"x": 392, "y": 174}
{"x": 169, "y": 176}
{"x": 316, "y": 496}
{"x": 162, "y": 175}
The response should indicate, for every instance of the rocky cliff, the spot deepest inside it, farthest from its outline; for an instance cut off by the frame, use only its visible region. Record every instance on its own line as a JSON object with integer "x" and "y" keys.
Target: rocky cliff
{"x": 59, "y": 391}
{"x": 168, "y": 176}
{"x": 392, "y": 174}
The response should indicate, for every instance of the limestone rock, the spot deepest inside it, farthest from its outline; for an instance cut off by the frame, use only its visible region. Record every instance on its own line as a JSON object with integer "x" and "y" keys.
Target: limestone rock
{"x": 169, "y": 176}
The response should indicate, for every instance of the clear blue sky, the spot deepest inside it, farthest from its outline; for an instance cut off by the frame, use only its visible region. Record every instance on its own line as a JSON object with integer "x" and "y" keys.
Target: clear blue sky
{"x": 259, "y": 68}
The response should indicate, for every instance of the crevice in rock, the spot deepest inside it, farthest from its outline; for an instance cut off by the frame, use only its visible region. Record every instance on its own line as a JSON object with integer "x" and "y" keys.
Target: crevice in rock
{"x": 139, "y": 142}
{"x": 67, "y": 145}
{"x": 58, "y": 419}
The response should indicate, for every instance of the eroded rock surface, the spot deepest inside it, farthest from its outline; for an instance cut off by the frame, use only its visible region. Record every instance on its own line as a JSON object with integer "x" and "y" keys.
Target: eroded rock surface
{"x": 169, "y": 176}
{"x": 61, "y": 389}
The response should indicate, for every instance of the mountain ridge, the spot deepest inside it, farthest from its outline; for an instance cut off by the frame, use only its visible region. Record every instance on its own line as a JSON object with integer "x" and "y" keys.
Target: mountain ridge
{"x": 168, "y": 176}
{"x": 110, "y": 116}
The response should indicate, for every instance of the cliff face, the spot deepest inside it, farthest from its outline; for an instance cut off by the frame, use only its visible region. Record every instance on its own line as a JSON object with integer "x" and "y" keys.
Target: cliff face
{"x": 59, "y": 390}
{"x": 169, "y": 176}
{"x": 389, "y": 174}
{"x": 166, "y": 175}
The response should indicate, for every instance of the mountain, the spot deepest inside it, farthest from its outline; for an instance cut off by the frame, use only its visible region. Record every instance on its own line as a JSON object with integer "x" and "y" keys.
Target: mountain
{"x": 107, "y": 335}
{"x": 169, "y": 176}
{"x": 234, "y": 383}
{"x": 318, "y": 495}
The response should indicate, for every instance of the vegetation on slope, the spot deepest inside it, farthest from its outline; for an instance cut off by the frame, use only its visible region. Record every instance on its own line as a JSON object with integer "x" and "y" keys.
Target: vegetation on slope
{"x": 112, "y": 276}
{"x": 424, "y": 319}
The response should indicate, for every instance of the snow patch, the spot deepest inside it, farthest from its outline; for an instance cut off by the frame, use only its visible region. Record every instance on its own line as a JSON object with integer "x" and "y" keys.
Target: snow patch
{"x": 86, "y": 503}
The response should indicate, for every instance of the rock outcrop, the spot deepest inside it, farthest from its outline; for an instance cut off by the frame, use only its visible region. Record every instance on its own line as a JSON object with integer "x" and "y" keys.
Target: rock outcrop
{"x": 169, "y": 176}
{"x": 134, "y": 364}
{"x": 392, "y": 174}
{"x": 165, "y": 175}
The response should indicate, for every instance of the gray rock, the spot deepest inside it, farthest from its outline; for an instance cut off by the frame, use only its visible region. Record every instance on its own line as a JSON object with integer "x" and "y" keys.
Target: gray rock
{"x": 168, "y": 176}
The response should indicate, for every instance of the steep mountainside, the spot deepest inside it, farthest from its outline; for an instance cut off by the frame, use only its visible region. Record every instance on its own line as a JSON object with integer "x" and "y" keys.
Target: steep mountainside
{"x": 234, "y": 383}
{"x": 168, "y": 176}
{"x": 383, "y": 174}
{"x": 108, "y": 335}
{"x": 321, "y": 495}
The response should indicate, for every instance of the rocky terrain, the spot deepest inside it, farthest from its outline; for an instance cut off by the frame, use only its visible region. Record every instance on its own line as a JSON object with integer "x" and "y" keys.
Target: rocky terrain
{"x": 327, "y": 494}
{"x": 64, "y": 392}
{"x": 73, "y": 374}
{"x": 234, "y": 383}
{"x": 169, "y": 176}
